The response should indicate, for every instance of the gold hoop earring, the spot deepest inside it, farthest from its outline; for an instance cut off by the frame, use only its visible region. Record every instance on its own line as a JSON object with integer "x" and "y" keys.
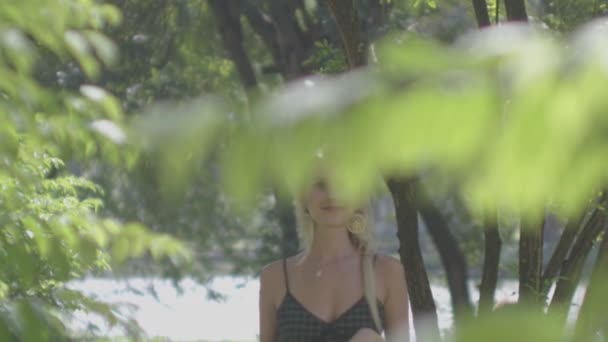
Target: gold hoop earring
{"x": 357, "y": 224}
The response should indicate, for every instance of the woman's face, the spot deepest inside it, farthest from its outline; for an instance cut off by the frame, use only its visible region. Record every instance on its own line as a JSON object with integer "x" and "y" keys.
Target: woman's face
{"x": 323, "y": 207}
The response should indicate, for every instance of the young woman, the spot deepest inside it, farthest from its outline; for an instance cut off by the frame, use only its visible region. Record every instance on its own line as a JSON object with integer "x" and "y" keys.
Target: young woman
{"x": 337, "y": 289}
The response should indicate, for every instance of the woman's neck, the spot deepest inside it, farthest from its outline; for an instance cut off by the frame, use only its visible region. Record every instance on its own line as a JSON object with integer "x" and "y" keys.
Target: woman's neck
{"x": 330, "y": 244}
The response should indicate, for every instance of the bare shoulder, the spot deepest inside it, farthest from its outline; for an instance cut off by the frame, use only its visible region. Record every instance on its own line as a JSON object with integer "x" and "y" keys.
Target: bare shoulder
{"x": 274, "y": 271}
{"x": 271, "y": 274}
{"x": 272, "y": 277}
{"x": 389, "y": 266}
{"x": 272, "y": 283}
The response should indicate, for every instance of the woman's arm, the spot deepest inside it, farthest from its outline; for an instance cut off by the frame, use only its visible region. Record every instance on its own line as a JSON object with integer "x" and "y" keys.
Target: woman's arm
{"x": 396, "y": 305}
{"x": 268, "y": 285}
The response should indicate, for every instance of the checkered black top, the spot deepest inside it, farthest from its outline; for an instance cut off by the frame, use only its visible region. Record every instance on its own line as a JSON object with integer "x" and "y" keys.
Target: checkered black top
{"x": 298, "y": 324}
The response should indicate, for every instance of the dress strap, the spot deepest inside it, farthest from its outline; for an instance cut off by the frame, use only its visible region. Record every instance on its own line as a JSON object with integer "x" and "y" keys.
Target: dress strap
{"x": 285, "y": 274}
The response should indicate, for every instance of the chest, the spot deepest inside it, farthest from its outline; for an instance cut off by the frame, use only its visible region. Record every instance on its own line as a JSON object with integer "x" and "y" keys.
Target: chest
{"x": 326, "y": 307}
{"x": 329, "y": 295}
{"x": 297, "y": 324}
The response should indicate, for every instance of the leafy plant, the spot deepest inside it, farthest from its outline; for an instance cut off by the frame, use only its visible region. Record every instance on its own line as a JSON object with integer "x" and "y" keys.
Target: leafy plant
{"x": 51, "y": 228}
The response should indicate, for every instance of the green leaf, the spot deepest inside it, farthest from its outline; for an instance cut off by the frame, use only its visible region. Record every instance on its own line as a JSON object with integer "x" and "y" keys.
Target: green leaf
{"x": 80, "y": 49}
{"x": 105, "y": 49}
{"x": 19, "y": 50}
{"x": 110, "y": 104}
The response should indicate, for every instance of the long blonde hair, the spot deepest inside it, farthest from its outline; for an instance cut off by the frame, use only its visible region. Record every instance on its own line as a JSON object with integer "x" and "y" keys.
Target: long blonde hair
{"x": 362, "y": 241}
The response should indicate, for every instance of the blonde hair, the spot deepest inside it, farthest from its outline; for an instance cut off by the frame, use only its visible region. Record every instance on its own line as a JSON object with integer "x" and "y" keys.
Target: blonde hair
{"x": 363, "y": 242}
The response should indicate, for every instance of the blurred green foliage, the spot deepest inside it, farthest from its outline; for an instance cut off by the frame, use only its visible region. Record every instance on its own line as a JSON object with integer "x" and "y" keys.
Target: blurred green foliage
{"x": 51, "y": 228}
{"x": 510, "y": 114}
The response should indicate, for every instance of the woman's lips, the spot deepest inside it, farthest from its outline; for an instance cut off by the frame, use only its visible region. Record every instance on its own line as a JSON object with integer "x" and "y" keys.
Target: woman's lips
{"x": 331, "y": 208}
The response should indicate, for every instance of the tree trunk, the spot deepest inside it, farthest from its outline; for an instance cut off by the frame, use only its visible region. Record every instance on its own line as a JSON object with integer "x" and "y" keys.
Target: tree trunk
{"x": 419, "y": 289}
{"x": 354, "y": 44}
{"x": 516, "y": 10}
{"x": 572, "y": 267}
{"x": 489, "y": 277}
{"x": 481, "y": 13}
{"x": 263, "y": 27}
{"x": 452, "y": 258}
{"x": 492, "y": 241}
{"x": 572, "y": 229}
{"x": 593, "y": 316}
{"x": 530, "y": 261}
{"x": 294, "y": 50}
{"x": 375, "y": 25}
{"x": 227, "y": 15}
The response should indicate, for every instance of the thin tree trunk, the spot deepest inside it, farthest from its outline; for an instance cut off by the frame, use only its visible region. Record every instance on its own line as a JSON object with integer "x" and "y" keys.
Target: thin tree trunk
{"x": 492, "y": 241}
{"x": 572, "y": 267}
{"x": 571, "y": 230}
{"x": 419, "y": 289}
{"x": 516, "y": 10}
{"x": 593, "y": 315}
{"x": 227, "y": 15}
{"x": 346, "y": 16}
{"x": 289, "y": 37}
{"x": 489, "y": 277}
{"x": 451, "y": 255}
{"x": 530, "y": 261}
{"x": 481, "y": 13}
{"x": 263, "y": 27}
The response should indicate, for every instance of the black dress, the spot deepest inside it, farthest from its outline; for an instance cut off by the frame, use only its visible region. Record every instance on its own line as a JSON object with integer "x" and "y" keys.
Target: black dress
{"x": 297, "y": 324}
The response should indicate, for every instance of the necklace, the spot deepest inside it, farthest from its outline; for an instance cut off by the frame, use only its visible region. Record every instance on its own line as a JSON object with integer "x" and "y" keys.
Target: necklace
{"x": 319, "y": 272}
